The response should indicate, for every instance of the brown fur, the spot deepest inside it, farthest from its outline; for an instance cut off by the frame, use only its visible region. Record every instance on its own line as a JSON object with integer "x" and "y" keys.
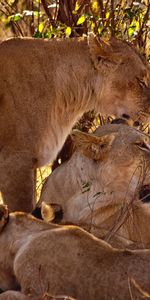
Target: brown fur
{"x": 13, "y": 295}
{"x": 45, "y": 86}
{"x": 39, "y": 257}
{"x": 98, "y": 188}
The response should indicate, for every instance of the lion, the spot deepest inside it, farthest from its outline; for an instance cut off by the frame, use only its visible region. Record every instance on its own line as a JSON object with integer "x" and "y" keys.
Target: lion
{"x": 38, "y": 257}
{"x": 45, "y": 87}
{"x": 100, "y": 187}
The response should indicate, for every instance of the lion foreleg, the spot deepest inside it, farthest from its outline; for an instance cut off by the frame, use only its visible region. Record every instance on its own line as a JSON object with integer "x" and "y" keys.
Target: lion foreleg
{"x": 17, "y": 178}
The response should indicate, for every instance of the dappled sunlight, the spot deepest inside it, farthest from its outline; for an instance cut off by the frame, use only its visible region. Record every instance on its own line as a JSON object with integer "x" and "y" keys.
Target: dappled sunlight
{"x": 42, "y": 174}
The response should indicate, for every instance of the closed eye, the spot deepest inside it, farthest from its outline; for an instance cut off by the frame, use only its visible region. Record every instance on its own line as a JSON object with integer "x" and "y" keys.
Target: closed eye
{"x": 143, "y": 146}
{"x": 142, "y": 83}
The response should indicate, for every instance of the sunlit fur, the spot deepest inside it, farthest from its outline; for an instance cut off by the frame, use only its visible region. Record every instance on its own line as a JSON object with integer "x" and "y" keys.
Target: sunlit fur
{"x": 45, "y": 87}
{"x": 37, "y": 258}
{"x": 98, "y": 188}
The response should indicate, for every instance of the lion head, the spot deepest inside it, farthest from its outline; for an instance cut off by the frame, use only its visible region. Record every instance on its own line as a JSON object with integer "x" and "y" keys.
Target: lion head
{"x": 126, "y": 77}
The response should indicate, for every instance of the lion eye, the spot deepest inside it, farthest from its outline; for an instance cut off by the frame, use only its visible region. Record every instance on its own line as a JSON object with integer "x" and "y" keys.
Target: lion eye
{"x": 142, "y": 83}
{"x": 142, "y": 145}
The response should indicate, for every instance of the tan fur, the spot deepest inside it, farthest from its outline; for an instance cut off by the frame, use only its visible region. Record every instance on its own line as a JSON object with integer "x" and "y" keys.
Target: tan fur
{"x": 13, "y": 295}
{"x": 45, "y": 86}
{"x": 98, "y": 188}
{"x": 66, "y": 260}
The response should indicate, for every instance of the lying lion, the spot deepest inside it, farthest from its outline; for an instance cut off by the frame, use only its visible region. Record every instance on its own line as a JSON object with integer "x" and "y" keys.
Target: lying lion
{"x": 45, "y": 87}
{"x": 100, "y": 187}
{"x": 37, "y": 258}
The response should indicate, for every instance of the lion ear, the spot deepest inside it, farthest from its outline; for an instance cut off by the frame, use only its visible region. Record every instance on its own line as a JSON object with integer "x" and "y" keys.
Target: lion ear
{"x": 51, "y": 212}
{"x": 101, "y": 50}
{"x": 47, "y": 212}
{"x": 92, "y": 146}
{"x": 4, "y": 215}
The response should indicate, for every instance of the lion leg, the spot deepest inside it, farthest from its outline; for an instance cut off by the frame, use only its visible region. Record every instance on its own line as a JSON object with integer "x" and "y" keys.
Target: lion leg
{"x": 17, "y": 183}
{"x": 12, "y": 295}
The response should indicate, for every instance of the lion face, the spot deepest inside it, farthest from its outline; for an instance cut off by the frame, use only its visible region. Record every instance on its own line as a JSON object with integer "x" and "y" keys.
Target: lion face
{"x": 122, "y": 156}
{"x": 126, "y": 78}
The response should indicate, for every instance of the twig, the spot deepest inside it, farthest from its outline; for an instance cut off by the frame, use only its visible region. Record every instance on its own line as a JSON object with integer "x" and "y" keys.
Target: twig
{"x": 146, "y": 17}
{"x": 47, "y": 12}
{"x": 102, "y": 12}
{"x": 130, "y": 291}
{"x": 112, "y": 18}
{"x": 137, "y": 286}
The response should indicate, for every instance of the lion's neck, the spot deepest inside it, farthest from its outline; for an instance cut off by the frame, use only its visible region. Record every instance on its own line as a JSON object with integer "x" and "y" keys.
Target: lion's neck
{"x": 75, "y": 96}
{"x": 72, "y": 87}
